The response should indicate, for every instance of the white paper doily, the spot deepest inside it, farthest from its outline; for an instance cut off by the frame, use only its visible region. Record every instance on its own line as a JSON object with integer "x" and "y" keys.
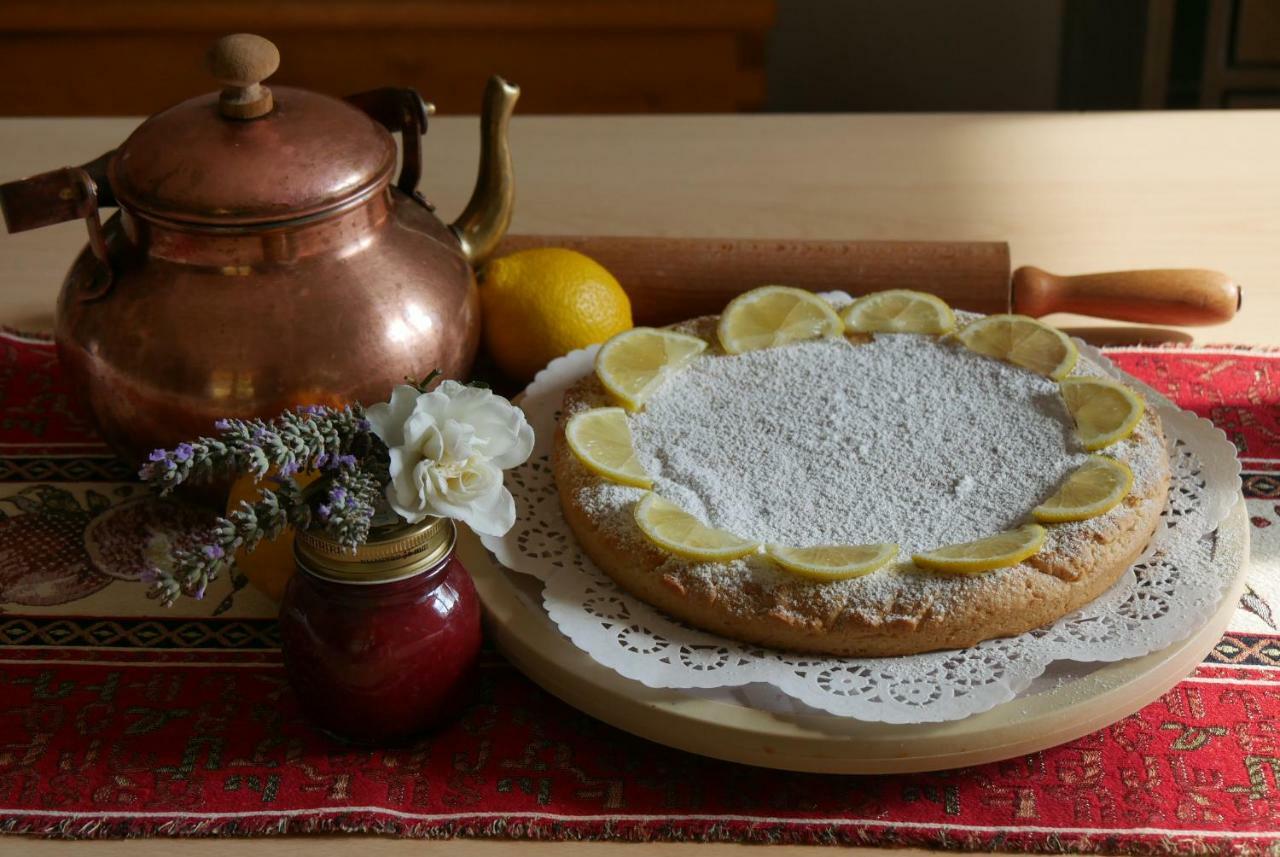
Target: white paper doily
{"x": 1162, "y": 599}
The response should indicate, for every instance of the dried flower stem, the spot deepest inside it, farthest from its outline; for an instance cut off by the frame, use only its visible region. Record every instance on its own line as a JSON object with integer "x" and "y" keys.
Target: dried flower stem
{"x": 195, "y": 565}
{"x": 347, "y": 515}
{"x": 315, "y": 437}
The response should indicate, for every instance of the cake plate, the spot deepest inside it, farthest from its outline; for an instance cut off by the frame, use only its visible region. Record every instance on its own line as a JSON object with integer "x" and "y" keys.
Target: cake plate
{"x": 1075, "y": 705}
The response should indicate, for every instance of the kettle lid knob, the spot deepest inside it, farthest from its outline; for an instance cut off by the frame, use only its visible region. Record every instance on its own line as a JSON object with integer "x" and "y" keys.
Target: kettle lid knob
{"x": 240, "y": 62}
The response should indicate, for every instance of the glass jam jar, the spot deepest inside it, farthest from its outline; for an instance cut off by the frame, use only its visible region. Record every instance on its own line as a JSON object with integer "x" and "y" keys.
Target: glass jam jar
{"x": 380, "y": 644}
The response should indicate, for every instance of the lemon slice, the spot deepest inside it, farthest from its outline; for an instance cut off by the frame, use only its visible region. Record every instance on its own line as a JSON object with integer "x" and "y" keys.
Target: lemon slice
{"x": 1022, "y": 341}
{"x": 832, "y": 562}
{"x": 775, "y": 315}
{"x": 899, "y": 311}
{"x": 633, "y": 364}
{"x": 601, "y": 440}
{"x": 1105, "y": 411}
{"x": 998, "y": 551}
{"x": 673, "y": 529}
{"x": 1097, "y": 486}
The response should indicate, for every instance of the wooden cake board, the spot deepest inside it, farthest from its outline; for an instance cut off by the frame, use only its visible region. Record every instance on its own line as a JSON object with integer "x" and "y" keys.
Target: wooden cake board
{"x": 820, "y": 742}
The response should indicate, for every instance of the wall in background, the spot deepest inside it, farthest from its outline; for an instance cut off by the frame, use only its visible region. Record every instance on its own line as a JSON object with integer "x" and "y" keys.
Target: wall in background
{"x": 662, "y": 56}
{"x": 113, "y": 57}
{"x": 888, "y": 55}
{"x": 920, "y": 55}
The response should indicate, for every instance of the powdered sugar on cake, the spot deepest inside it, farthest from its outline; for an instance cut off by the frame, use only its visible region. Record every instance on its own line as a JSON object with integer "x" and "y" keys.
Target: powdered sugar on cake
{"x": 907, "y": 439}
{"x": 898, "y": 440}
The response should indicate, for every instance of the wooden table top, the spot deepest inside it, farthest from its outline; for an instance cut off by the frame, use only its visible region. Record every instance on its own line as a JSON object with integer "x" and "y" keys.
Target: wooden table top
{"x": 1071, "y": 193}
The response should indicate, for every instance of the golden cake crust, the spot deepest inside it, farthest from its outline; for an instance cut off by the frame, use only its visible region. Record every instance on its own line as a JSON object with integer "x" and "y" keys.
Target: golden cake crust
{"x": 925, "y": 612}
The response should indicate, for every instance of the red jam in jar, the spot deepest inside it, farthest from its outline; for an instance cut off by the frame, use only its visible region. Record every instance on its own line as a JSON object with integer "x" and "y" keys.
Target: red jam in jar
{"x": 380, "y": 645}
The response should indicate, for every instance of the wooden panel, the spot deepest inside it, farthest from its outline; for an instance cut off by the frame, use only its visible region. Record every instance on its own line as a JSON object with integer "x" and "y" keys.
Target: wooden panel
{"x": 1253, "y": 100}
{"x": 570, "y": 56}
{"x": 224, "y": 16}
{"x": 916, "y": 55}
{"x": 1102, "y": 61}
{"x": 1157, "y": 51}
{"x": 1238, "y": 29}
{"x": 1257, "y": 32}
{"x": 1216, "y": 53}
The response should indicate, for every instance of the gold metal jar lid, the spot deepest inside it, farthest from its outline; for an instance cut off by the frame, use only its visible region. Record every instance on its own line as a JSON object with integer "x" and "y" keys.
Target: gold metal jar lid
{"x": 394, "y": 551}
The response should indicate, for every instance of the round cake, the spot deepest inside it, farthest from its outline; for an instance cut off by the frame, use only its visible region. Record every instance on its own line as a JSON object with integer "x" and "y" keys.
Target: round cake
{"x": 859, "y": 439}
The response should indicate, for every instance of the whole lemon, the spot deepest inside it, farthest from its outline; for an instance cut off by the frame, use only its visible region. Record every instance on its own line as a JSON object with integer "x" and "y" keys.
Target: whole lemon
{"x": 543, "y": 303}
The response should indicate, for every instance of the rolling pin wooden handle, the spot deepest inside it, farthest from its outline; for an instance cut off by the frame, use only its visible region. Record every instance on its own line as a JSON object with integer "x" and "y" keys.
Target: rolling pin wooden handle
{"x": 1188, "y": 296}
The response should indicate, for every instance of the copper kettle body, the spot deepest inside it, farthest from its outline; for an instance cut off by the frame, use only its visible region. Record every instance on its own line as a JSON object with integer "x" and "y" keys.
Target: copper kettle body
{"x": 262, "y": 256}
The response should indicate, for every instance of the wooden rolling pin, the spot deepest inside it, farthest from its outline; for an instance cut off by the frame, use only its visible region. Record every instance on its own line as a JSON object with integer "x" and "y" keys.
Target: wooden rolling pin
{"x": 669, "y": 279}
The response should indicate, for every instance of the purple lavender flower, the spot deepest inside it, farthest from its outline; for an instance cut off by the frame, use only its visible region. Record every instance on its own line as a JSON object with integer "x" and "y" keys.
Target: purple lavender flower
{"x": 199, "y": 593}
{"x": 157, "y": 468}
{"x": 317, "y": 439}
{"x": 150, "y": 574}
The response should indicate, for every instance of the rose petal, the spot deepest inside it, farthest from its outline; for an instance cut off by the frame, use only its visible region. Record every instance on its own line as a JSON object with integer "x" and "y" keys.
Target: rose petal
{"x": 502, "y": 433}
{"x": 422, "y": 433}
{"x": 458, "y": 439}
{"x": 403, "y": 493}
{"x": 388, "y": 418}
{"x": 520, "y": 450}
{"x": 493, "y": 514}
{"x": 410, "y": 515}
{"x": 453, "y": 389}
{"x": 452, "y": 496}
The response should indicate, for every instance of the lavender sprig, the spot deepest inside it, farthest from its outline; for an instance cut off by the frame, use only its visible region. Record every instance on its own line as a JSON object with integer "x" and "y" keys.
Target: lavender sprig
{"x": 309, "y": 438}
{"x": 195, "y": 565}
{"x": 349, "y": 508}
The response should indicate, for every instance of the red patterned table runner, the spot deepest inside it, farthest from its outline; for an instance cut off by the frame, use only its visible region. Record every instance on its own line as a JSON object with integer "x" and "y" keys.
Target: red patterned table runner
{"x": 119, "y": 718}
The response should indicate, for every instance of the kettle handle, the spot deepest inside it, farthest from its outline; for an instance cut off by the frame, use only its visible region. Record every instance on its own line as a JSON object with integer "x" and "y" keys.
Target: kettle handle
{"x": 403, "y": 110}
{"x": 57, "y": 196}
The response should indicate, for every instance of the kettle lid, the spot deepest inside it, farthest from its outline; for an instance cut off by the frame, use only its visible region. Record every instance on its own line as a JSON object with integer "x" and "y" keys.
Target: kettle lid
{"x": 249, "y": 154}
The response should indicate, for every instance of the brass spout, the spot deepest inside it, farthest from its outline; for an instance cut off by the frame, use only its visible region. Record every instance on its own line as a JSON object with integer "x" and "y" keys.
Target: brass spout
{"x": 488, "y": 213}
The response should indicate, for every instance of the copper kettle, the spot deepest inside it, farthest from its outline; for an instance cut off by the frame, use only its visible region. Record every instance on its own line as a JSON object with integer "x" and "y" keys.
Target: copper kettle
{"x": 262, "y": 257}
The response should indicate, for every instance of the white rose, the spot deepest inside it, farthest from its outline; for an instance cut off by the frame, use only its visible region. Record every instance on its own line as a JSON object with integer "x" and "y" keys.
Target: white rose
{"x": 448, "y": 450}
